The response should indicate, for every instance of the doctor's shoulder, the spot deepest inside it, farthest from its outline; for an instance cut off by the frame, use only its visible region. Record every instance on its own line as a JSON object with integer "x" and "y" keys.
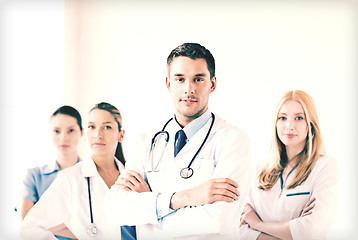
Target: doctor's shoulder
{"x": 326, "y": 164}
{"x": 145, "y": 137}
{"x": 73, "y": 171}
{"x": 35, "y": 174}
{"x": 229, "y": 133}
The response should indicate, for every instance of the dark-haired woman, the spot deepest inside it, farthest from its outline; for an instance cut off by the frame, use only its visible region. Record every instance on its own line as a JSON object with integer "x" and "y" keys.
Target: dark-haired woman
{"x": 76, "y": 196}
{"x": 66, "y": 131}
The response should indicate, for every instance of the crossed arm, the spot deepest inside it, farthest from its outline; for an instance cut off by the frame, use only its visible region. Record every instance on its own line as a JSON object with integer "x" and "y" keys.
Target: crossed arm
{"x": 271, "y": 230}
{"x": 213, "y": 190}
{"x": 60, "y": 230}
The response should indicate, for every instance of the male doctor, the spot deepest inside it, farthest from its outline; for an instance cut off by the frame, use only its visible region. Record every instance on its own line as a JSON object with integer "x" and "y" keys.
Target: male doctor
{"x": 191, "y": 182}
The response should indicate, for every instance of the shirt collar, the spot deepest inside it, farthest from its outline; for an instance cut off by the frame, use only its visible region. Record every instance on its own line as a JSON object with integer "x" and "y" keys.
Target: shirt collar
{"x": 53, "y": 167}
{"x": 194, "y": 126}
{"x": 89, "y": 168}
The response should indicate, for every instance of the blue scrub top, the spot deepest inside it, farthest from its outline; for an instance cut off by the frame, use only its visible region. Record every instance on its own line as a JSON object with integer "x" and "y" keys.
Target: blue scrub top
{"x": 36, "y": 182}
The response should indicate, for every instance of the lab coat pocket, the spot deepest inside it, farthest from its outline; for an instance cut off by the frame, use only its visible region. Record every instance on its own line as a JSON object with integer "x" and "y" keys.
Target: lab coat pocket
{"x": 296, "y": 199}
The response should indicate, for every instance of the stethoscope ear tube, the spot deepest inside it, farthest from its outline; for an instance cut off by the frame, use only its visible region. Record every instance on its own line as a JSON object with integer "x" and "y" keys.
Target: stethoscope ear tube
{"x": 186, "y": 172}
{"x": 161, "y": 132}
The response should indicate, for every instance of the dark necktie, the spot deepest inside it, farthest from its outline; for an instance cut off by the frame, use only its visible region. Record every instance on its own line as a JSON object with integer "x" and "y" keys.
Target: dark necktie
{"x": 128, "y": 233}
{"x": 180, "y": 141}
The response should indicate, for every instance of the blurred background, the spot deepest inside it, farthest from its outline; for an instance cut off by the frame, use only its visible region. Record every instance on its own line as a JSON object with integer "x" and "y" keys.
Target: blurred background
{"x": 82, "y": 52}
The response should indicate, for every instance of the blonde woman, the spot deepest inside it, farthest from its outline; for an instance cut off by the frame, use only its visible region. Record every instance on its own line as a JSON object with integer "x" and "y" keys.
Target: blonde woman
{"x": 295, "y": 192}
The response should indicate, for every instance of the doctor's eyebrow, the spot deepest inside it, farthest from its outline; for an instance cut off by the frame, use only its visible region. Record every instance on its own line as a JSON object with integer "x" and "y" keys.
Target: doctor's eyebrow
{"x": 102, "y": 123}
{"x": 300, "y": 113}
{"x": 108, "y": 123}
{"x": 200, "y": 75}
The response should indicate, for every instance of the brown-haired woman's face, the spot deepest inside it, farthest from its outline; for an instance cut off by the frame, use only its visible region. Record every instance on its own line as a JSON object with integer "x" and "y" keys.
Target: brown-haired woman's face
{"x": 102, "y": 132}
{"x": 65, "y": 133}
{"x": 291, "y": 125}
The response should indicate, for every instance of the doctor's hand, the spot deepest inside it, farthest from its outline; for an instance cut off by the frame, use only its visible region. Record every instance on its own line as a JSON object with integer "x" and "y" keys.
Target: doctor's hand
{"x": 63, "y": 231}
{"x": 308, "y": 207}
{"x": 250, "y": 217}
{"x": 213, "y": 190}
{"x": 264, "y": 236}
{"x": 132, "y": 181}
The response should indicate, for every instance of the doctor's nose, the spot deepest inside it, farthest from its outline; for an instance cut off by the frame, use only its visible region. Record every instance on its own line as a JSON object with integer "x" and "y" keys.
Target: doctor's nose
{"x": 63, "y": 135}
{"x": 189, "y": 87}
{"x": 98, "y": 133}
{"x": 290, "y": 125}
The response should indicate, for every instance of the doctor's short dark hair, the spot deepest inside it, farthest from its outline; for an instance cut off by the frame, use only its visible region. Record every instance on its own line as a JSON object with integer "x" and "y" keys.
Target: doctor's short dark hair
{"x": 193, "y": 51}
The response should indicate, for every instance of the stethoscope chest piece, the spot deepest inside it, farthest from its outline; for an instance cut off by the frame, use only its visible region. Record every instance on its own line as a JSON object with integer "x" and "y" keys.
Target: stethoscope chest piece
{"x": 186, "y": 172}
{"x": 92, "y": 230}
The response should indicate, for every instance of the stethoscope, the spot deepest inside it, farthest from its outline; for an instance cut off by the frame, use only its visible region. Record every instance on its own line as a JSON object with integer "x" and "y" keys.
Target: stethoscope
{"x": 186, "y": 172}
{"x": 92, "y": 228}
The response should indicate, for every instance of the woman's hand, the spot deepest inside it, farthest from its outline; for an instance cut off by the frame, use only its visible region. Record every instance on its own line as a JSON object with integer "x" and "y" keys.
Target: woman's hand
{"x": 250, "y": 217}
{"x": 63, "y": 231}
{"x": 264, "y": 236}
{"x": 132, "y": 181}
{"x": 308, "y": 207}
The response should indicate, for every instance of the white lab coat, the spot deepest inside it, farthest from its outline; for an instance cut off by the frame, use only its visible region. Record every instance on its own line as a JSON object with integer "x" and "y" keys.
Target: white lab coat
{"x": 226, "y": 153}
{"x": 66, "y": 201}
{"x": 274, "y": 206}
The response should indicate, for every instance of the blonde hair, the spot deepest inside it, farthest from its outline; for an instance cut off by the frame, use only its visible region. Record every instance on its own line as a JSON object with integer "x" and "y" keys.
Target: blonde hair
{"x": 277, "y": 158}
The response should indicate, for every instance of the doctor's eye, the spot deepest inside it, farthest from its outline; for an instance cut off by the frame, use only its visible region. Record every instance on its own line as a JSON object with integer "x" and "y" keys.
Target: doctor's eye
{"x": 71, "y": 130}
{"x": 299, "y": 118}
{"x": 90, "y": 127}
{"x": 107, "y": 127}
{"x": 198, "y": 79}
{"x": 56, "y": 131}
{"x": 282, "y": 118}
{"x": 179, "y": 79}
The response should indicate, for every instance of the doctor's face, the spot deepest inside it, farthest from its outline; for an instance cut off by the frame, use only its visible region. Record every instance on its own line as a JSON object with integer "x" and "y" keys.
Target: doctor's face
{"x": 102, "y": 133}
{"x": 65, "y": 133}
{"x": 190, "y": 85}
{"x": 291, "y": 125}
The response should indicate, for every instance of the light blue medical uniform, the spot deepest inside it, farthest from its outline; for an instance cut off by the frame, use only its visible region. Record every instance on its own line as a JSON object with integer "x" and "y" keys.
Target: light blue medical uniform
{"x": 36, "y": 181}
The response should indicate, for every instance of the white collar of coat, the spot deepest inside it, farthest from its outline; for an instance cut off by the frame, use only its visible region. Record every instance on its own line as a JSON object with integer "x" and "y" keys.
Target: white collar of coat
{"x": 194, "y": 126}
{"x": 198, "y": 138}
{"x": 89, "y": 168}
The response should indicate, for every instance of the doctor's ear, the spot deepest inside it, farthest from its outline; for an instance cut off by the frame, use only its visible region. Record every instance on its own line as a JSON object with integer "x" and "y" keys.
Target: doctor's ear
{"x": 213, "y": 84}
{"x": 167, "y": 82}
{"x": 121, "y": 135}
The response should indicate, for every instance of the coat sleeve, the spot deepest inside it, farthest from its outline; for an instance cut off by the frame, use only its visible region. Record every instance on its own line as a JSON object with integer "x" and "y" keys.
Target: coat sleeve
{"x": 129, "y": 207}
{"x": 48, "y": 212}
{"x": 246, "y": 232}
{"x": 28, "y": 190}
{"x": 317, "y": 224}
{"x": 233, "y": 161}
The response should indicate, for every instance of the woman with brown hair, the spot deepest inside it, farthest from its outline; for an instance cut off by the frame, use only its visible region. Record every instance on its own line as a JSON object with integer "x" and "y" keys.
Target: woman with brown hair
{"x": 75, "y": 199}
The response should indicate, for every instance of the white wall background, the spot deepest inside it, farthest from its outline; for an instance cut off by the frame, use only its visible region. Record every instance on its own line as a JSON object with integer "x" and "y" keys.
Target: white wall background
{"x": 82, "y": 52}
